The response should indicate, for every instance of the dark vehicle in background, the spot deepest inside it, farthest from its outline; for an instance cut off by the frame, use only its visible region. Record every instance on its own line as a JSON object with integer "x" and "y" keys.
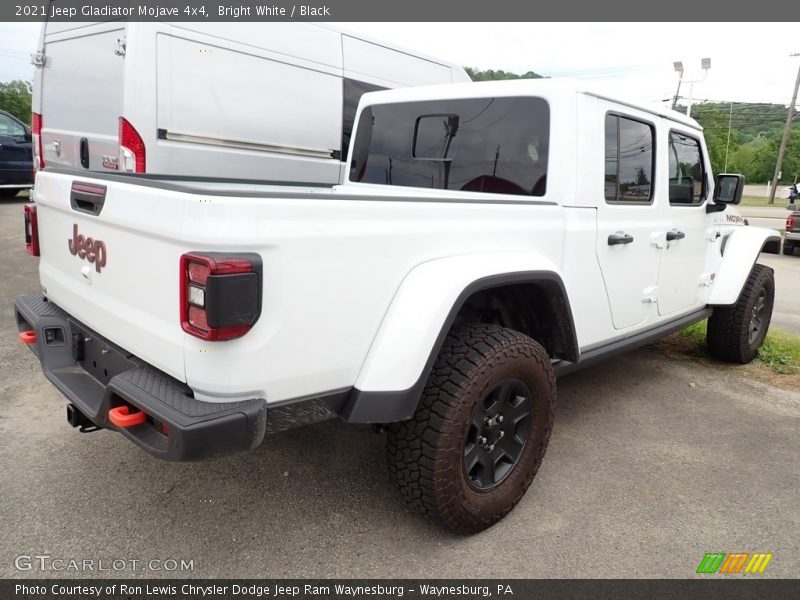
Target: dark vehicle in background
{"x": 16, "y": 156}
{"x": 791, "y": 239}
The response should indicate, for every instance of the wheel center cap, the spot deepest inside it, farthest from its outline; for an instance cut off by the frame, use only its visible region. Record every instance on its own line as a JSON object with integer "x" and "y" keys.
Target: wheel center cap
{"x": 491, "y": 433}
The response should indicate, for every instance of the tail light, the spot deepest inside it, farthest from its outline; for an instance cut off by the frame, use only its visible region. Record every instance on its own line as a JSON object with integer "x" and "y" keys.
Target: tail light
{"x": 790, "y": 223}
{"x": 220, "y": 294}
{"x": 36, "y": 137}
{"x": 131, "y": 148}
{"x": 31, "y": 230}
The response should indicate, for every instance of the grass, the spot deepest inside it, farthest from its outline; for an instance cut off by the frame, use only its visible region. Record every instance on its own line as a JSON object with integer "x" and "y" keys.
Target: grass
{"x": 777, "y": 362}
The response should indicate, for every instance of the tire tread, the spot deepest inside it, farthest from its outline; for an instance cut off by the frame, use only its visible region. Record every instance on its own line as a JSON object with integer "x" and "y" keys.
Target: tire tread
{"x": 727, "y": 330}
{"x": 416, "y": 449}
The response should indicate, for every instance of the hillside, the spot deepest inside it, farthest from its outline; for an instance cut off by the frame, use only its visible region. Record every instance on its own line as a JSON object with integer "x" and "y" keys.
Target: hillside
{"x": 755, "y": 136}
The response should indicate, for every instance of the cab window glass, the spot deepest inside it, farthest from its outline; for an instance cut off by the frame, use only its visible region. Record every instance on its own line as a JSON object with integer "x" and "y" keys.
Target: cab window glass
{"x": 687, "y": 176}
{"x": 489, "y": 145}
{"x": 10, "y": 127}
{"x": 353, "y": 90}
{"x": 628, "y": 160}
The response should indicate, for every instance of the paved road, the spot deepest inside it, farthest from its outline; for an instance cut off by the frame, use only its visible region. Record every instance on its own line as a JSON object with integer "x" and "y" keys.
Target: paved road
{"x": 759, "y": 216}
{"x": 652, "y": 464}
{"x": 786, "y": 313}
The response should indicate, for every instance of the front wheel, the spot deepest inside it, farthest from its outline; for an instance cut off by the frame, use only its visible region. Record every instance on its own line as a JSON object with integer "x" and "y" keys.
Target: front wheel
{"x": 481, "y": 429}
{"x": 788, "y": 247}
{"x": 735, "y": 333}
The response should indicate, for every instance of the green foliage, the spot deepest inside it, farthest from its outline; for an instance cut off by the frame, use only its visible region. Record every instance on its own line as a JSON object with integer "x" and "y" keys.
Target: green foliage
{"x": 491, "y": 75}
{"x": 695, "y": 335}
{"x": 755, "y": 136}
{"x": 780, "y": 350}
{"x": 15, "y": 98}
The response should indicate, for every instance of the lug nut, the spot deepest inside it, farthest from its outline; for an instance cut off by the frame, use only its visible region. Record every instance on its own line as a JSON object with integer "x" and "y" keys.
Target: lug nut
{"x": 482, "y": 440}
{"x": 499, "y": 418}
{"x": 490, "y": 448}
{"x": 502, "y": 433}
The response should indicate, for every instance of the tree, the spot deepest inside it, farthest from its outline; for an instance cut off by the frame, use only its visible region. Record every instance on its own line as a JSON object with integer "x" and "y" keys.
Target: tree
{"x": 15, "y": 98}
{"x": 755, "y": 134}
{"x": 715, "y": 126}
{"x": 491, "y": 75}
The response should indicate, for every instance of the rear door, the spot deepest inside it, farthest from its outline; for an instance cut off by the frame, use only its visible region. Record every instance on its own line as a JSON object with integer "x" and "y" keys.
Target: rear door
{"x": 233, "y": 110}
{"x": 628, "y": 216}
{"x": 81, "y": 96}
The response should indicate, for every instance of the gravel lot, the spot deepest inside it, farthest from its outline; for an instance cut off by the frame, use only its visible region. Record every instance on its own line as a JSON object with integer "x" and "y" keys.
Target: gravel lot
{"x": 653, "y": 462}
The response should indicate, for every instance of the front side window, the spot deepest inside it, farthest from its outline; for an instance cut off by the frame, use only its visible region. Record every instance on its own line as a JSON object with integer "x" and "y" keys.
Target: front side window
{"x": 628, "y": 160}
{"x": 10, "y": 127}
{"x": 687, "y": 177}
{"x": 490, "y": 145}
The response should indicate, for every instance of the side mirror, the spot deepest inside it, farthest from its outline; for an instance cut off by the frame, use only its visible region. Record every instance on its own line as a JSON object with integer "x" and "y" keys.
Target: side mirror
{"x": 728, "y": 189}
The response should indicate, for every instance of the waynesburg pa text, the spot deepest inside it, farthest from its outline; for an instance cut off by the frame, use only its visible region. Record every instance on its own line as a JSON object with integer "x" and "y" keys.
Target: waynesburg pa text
{"x": 262, "y": 591}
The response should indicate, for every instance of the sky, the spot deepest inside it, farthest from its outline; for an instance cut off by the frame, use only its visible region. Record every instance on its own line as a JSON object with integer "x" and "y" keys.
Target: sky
{"x": 750, "y": 62}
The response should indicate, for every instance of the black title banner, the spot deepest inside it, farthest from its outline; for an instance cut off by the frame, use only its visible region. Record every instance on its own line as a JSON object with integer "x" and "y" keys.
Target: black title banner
{"x": 404, "y": 10}
{"x": 386, "y": 589}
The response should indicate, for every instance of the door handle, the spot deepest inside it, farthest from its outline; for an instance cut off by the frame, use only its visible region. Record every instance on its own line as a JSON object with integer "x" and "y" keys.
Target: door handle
{"x": 87, "y": 197}
{"x": 620, "y": 237}
{"x": 84, "y": 153}
{"x": 675, "y": 235}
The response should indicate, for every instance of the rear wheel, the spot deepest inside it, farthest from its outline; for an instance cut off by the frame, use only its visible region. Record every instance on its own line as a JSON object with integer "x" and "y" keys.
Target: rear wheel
{"x": 735, "y": 333}
{"x": 481, "y": 429}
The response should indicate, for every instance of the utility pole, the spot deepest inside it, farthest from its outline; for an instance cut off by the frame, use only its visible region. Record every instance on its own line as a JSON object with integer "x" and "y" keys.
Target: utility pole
{"x": 786, "y": 130}
{"x": 728, "y": 145}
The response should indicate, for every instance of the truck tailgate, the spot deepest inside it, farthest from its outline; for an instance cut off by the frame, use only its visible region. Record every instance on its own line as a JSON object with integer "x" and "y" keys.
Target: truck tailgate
{"x": 117, "y": 270}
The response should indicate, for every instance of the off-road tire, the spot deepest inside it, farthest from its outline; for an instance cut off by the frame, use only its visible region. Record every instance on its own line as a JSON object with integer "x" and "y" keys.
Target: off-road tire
{"x": 728, "y": 334}
{"x": 788, "y": 248}
{"x": 425, "y": 453}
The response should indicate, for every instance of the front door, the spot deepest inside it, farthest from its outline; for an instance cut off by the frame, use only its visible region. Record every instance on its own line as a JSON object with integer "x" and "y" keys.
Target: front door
{"x": 628, "y": 218}
{"x": 686, "y": 236}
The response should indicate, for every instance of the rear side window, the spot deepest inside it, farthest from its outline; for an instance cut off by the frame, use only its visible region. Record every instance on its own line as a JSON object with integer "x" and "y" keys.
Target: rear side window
{"x": 490, "y": 145}
{"x": 629, "y": 160}
{"x": 687, "y": 176}
{"x": 352, "y": 90}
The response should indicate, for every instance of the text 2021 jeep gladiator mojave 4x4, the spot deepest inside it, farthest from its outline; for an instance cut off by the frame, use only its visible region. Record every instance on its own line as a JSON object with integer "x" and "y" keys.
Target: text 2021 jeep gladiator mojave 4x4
{"x": 489, "y": 237}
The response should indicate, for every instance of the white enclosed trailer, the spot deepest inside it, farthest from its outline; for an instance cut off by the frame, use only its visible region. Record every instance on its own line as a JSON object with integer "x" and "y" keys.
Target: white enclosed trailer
{"x": 243, "y": 100}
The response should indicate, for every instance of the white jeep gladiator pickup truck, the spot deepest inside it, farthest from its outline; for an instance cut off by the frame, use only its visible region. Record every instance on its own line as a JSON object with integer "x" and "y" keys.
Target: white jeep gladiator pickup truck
{"x": 489, "y": 237}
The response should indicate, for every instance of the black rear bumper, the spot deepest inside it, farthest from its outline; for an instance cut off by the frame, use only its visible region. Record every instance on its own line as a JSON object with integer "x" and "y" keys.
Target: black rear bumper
{"x": 97, "y": 376}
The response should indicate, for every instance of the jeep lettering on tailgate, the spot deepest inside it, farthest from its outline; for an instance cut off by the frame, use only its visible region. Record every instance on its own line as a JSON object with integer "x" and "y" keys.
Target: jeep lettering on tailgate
{"x": 88, "y": 249}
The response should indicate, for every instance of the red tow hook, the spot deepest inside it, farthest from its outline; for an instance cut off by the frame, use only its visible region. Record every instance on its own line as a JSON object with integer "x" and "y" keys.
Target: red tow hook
{"x": 27, "y": 337}
{"x": 121, "y": 416}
